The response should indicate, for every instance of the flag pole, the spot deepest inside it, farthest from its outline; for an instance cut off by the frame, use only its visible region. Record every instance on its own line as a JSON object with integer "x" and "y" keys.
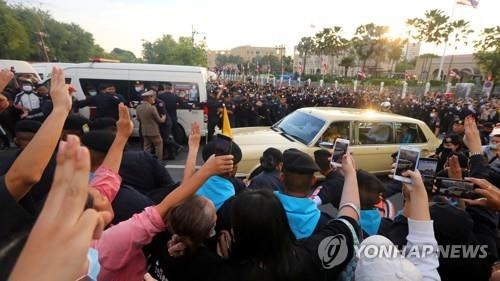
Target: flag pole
{"x": 441, "y": 63}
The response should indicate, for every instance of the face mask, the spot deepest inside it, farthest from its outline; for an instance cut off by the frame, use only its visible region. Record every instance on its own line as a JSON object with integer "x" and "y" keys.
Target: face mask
{"x": 493, "y": 146}
{"x": 370, "y": 221}
{"x": 92, "y": 93}
{"x": 94, "y": 266}
{"x": 27, "y": 88}
{"x": 139, "y": 89}
{"x": 447, "y": 151}
{"x": 433, "y": 115}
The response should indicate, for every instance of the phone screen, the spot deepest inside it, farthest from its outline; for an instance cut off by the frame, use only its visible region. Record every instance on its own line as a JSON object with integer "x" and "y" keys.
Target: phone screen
{"x": 456, "y": 188}
{"x": 222, "y": 145}
{"x": 407, "y": 160}
{"x": 339, "y": 151}
{"x": 427, "y": 167}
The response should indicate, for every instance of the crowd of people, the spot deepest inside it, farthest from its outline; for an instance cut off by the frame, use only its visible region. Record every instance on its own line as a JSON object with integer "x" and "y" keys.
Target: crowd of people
{"x": 78, "y": 204}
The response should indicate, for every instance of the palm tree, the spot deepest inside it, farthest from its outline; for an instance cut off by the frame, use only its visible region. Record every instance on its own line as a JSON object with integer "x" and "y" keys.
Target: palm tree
{"x": 395, "y": 51}
{"x": 368, "y": 42}
{"x": 329, "y": 42}
{"x": 437, "y": 28}
{"x": 305, "y": 47}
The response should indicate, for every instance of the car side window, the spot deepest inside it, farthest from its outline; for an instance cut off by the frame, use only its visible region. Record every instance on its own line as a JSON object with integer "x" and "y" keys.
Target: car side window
{"x": 408, "y": 133}
{"x": 336, "y": 130}
{"x": 373, "y": 132}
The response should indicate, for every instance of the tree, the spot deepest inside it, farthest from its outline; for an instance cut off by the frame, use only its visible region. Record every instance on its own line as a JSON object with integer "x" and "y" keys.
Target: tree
{"x": 222, "y": 60}
{"x": 329, "y": 42}
{"x": 437, "y": 28}
{"x": 305, "y": 47}
{"x": 395, "y": 51}
{"x": 369, "y": 42}
{"x": 15, "y": 40}
{"x": 166, "y": 50}
{"x": 347, "y": 62}
{"x": 123, "y": 55}
{"x": 488, "y": 51}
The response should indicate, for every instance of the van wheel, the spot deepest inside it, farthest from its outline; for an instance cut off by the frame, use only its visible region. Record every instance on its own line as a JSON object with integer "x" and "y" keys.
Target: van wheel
{"x": 179, "y": 134}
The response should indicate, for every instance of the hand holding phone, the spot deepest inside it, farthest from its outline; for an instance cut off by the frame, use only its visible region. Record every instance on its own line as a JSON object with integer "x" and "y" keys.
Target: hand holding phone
{"x": 407, "y": 160}
{"x": 427, "y": 167}
{"x": 457, "y": 188}
{"x": 340, "y": 148}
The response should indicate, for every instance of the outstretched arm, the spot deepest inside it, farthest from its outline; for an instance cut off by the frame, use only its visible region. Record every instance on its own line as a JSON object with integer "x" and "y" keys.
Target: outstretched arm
{"x": 214, "y": 165}
{"x": 194, "y": 145}
{"x": 29, "y": 166}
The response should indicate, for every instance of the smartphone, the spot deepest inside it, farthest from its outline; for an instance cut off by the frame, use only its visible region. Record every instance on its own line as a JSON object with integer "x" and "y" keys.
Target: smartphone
{"x": 222, "y": 145}
{"x": 407, "y": 160}
{"x": 457, "y": 188}
{"x": 427, "y": 167}
{"x": 340, "y": 148}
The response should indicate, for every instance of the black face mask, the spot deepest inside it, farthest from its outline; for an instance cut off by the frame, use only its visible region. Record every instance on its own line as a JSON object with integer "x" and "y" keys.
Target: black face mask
{"x": 447, "y": 151}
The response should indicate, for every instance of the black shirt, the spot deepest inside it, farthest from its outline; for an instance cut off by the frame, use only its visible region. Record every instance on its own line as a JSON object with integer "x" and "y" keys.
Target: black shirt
{"x": 15, "y": 225}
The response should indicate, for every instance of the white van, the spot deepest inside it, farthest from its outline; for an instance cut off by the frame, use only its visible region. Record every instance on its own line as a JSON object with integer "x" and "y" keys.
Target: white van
{"x": 44, "y": 69}
{"x": 21, "y": 68}
{"x": 187, "y": 81}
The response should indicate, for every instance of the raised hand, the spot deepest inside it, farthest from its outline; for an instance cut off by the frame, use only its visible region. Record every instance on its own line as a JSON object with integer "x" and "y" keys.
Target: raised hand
{"x": 59, "y": 91}
{"x": 194, "y": 136}
{"x": 124, "y": 125}
{"x": 216, "y": 165}
{"x": 490, "y": 193}
{"x": 5, "y": 77}
{"x": 348, "y": 164}
{"x": 64, "y": 228}
{"x": 471, "y": 138}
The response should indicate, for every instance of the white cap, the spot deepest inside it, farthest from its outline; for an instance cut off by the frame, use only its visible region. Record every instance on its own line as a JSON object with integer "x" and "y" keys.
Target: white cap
{"x": 395, "y": 268}
{"x": 149, "y": 93}
{"x": 496, "y": 131}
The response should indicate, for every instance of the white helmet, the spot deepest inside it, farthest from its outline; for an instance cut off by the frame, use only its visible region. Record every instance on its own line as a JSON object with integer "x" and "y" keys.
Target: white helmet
{"x": 385, "y": 106}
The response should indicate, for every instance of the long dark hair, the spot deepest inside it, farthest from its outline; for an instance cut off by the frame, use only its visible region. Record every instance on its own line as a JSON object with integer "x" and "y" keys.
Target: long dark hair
{"x": 263, "y": 238}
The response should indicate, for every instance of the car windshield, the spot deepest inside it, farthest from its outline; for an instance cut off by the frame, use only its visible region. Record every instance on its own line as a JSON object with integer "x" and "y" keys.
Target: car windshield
{"x": 300, "y": 126}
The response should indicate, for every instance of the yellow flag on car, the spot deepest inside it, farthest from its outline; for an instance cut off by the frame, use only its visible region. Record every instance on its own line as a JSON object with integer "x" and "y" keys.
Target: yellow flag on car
{"x": 226, "y": 126}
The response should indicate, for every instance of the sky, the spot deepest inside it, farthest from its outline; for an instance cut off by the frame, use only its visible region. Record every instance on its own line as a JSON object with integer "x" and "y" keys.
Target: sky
{"x": 225, "y": 24}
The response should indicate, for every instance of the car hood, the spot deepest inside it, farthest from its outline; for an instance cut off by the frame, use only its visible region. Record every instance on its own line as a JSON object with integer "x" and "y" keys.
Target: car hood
{"x": 259, "y": 136}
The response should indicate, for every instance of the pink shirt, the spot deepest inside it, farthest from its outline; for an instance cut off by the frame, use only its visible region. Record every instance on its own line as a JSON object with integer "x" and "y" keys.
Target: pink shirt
{"x": 120, "y": 246}
{"x": 107, "y": 182}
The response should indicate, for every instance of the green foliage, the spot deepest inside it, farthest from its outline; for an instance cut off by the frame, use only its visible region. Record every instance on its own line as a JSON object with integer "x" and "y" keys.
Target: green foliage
{"x": 166, "y": 50}
{"x": 436, "y": 83}
{"x": 222, "y": 60}
{"x": 488, "y": 51}
{"x": 369, "y": 42}
{"x": 123, "y": 55}
{"x": 437, "y": 28}
{"x": 32, "y": 34}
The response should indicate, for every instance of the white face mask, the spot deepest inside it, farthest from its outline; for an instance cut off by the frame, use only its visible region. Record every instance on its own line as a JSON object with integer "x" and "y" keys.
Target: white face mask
{"x": 493, "y": 146}
{"x": 139, "y": 89}
{"x": 27, "y": 88}
{"x": 92, "y": 93}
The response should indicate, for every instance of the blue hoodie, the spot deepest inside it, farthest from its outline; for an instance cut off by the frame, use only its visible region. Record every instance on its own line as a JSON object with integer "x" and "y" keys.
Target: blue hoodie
{"x": 302, "y": 213}
{"x": 217, "y": 189}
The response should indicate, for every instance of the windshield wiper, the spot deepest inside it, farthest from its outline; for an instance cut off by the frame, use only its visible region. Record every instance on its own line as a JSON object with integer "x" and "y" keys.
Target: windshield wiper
{"x": 293, "y": 136}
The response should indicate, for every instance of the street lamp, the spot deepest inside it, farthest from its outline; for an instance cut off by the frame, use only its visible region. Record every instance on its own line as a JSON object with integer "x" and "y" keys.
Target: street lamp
{"x": 281, "y": 48}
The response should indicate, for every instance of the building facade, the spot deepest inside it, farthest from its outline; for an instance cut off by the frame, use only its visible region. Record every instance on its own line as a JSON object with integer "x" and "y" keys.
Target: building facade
{"x": 464, "y": 65}
{"x": 247, "y": 52}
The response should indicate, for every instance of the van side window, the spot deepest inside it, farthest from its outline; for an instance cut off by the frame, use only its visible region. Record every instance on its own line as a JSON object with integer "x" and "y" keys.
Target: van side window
{"x": 336, "y": 130}
{"x": 373, "y": 132}
{"x": 409, "y": 133}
